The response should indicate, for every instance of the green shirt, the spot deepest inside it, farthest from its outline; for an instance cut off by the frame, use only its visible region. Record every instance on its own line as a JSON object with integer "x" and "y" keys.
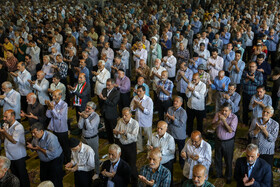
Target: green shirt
{"x": 189, "y": 183}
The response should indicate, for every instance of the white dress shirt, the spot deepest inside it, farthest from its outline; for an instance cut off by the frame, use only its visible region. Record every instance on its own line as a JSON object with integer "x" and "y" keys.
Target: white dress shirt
{"x": 142, "y": 55}
{"x": 11, "y": 101}
{"x": 144, "y": 118}
{"x": 84, "y": 158}
{"x": 15, "y": 151}
{"x": 109, "y": 53}
{"x": 23, "y": 84}
{"x": 156, "y": 79}
{"x": 48, "y": 70}
{"x": 42, "y": 90}
{"x": 60, "y": 86}
{"x": 196, "y": 99}
{"x": 170, "y": 65}
{"x": 101, "y": 79}
{"x": 166, "y": 144}
{"x": 130, "y": 131}
{"x": 34, "y": 52}
{"x": 204, "y": 153}
{"x": 214, "y": 71}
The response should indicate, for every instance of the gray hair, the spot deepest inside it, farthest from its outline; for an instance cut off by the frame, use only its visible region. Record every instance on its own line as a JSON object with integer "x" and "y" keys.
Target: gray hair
{"x": 155, "y": 152}
{"x": 126, "y": 109}
{"x": 102, "y": 61}
{"x": 46, "y": 184}
{"x": 85, "y": 52}
{"x": 252, "y": 147}
{"x": 39, "y": 126}
{"x": 6, "y": 162}
{"x": 91, "y": 104}
{"x": 33, "y": 95}
{"x": 7, "y": 84}
{"x": 270, "y": 108}
{"x": 115, "y": 147}
{"x": 47, "y": 56}
{"x": 179, "y": 97}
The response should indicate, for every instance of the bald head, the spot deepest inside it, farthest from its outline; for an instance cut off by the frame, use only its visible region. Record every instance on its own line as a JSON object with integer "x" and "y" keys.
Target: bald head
{"x": 40, "y": 75}
{"x": 221, "y": 75}
{"x": 161, "y": 128}
{"x": 196, "y": 78}
{"x": 199, "y": 175}
{"x": 196, "y": 138}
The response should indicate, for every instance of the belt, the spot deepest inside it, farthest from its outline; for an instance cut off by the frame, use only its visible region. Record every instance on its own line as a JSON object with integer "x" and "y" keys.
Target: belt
{"x": 226, "y": 140}
{"x": 90, "y": 137}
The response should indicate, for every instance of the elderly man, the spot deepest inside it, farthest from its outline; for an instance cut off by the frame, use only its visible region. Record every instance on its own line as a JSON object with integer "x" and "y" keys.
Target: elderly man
{"x": 115, "y": 171}
{"x": 14, "y": 144}
{"x": 250, "y": 80}
{"x": 196, "y": 151}
{"x": 143, "y": 70}
{"x": 154, "y": 174}
{"x": 231, "y": 97}
{"x": 40, "y": 87}
{"x": 124, "y": 56}
{"x": 109, "y": 98}
{"x": 82, "y": 163}
{"x": 61, "y": 68}
{"x": 259, "y": 101}
{"x": 93, "y": 54}
{"x": 264, "y": 132}
{"x": 228, "y": 56}
{"x": 183, "y": 78}
{"x": 57, "y": 85}
{"x": 10, "y": 99}
{"x": 165, "y": 142}
{"x": 196, "y": 92}
{"x": 139, "y": 54}
{"x": 220, "y": 84}
{"x": 109, "y": 52}
{"x": 169, "y": 62}
{"x": 141, "y": 82}
{"x": 50, "y": 154}
{"x": 176, "y": 117}
{"x": 252, "y": 170}
{"x": 47, "y": 68}
{"x": 127, "y": 131}
{"x": 225, "y": 124}
{"x": 21, "y": 79}
{"x": 123, "y": 84}
{"x": 195, "y": 62}
{"x": 154, "y": 52}
{"x": 204, "y": 54}
{"x": 81, "y": 92}
{"x": 199, "y": 179}
{"x": 164, "y": 94}
{"x": 88, "y": 122}
{"x": 35, "y": 111}
{"x": 7, "y": 179}
{"x": 116, "y": 66}
{"x": 58, "y": 113}
{"x": 143, "y": 107}
{"x": 100, "y": 78}
{"x": 11, "y": 61}
{"x": 82, "y": 69}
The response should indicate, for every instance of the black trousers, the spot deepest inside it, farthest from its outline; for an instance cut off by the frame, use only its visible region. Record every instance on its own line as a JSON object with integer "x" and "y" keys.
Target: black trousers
{"x": 163, "y": 107}
{"x": 199, "y": 115}
{"x": 246, "y": 98}
{"x": 273, "y": 57}
{"x": 18, "y": 168}
{"x": 129, "y": 154}
{"x": 180, "y": 144}
{"x": 269, "y": 160}
{"x": 23, "y": 103}
{"x": 83, "y": 178}
{"x": 124, "y": 101}
{"x": 224, "y": 149}
{"x": 52, "y": 171}
{"x": 110, "y": 124}
{"x": 156, "y": 108}
{"x": 274, "y": 97}
{"x": 64, "y": 143}
{"x": 169, "y": 165}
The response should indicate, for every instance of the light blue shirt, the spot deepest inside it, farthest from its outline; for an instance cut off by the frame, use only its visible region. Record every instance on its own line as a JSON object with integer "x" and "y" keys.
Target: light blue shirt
{"x": 58, "y": 117}
{"x": 250, "y": 169}
{"x": 272, "y": 42}
{"x": 195, "y": 66}
{"x": 197, "y": 26}
{"x": 125, "y": 58}
{"x": 117, "y": 40}
{"x": 235, "y": 76}
{"x": 218, "y": 84}
{"x": 257, "y": 110}
{"x": 50, "y": 143}
{"x": 226, "y": 38}
{"x": 182, "y": 84}
{"x": 234, "y": 101}
{"x": 11, "y": 101}
{"x": 93, "y": 55}
{"x": 147, "y": 90}
{"x": 114, "y": 168}
{"x": 227, "y": 60}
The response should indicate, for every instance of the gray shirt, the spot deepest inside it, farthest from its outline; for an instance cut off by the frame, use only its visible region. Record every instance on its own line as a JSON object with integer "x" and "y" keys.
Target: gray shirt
{"x": 177, "y": 128}
{"x": 89, "y": 125}
{"x": 266, "y": 144}
{"x": 130, "y": 131}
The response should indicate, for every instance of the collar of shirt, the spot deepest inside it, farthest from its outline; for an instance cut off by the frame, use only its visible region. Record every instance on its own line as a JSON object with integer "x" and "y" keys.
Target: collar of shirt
{"x": 164, "y": 136}
{"x": 43, "y": 137}
{"x": 116, "y": 165}
{"x": 82, "y": 148}
{"x": 59, "y": 103}
{"x": 253, "y": 164}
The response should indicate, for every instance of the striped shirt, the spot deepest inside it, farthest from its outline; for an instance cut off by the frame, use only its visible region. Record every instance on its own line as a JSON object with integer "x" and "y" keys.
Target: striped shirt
{"x": 266, "y": 144}
{"x": 250, "y": 87}
{"x": 168, "y": 85}
{"x": 130, "y": 131}
{"x": 257, "y": 110}
{"x": 162, "y": 176}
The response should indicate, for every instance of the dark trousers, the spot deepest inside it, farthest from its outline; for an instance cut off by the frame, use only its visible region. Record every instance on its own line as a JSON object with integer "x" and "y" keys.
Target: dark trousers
{"x": 23, "y": 103}
{"x": 124, "y": 101}
{"x": 185, "y": 99}
{"x": 155, "y": 101}
{"x": 110, "y": 124}
{"x": 246, "y": 98}
{"x": 163, "y": 107}
{"x": 52, "y": 171}
{"x": 18, "y": 168}
{"x": 180, "y": 144}
{"x": 83, "y": 178}
{"x": 273, "y": 56}
{"x": 198, "y": 114}
{"x": 172, "y": 79}
{"x": 64, "y": 143}
{"x": 274, "y": 97}
{"x": 169, "y": 165}
{"x": 224, "y": 149}
{"x": 129, "y": 154}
